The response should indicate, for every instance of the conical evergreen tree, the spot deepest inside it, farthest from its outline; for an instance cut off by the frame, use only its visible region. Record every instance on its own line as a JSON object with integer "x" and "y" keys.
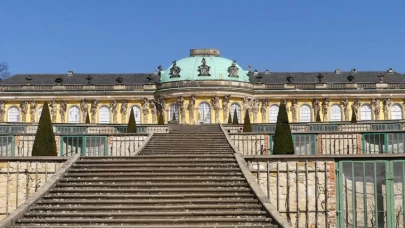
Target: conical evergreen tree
{"x": 283, "y": 143}
{"x": 160, "y": 119}
{"x": 87, "y": 118}
{"x": 44, "y": 143}
{"x": 354, "y": 117}
{"x": 235, "y": 117}
{"x": 131, "y": 123}
{"x": 318, "y": 117}
{"x": 174, "y": 116}
{"x": 229, "y": 118}
{"x": 247, "y": 127}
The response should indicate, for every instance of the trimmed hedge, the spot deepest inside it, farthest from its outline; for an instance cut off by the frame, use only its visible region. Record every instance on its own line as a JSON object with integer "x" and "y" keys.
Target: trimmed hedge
{"x": 283, "y": 143}
{"x": 44, "y": 143}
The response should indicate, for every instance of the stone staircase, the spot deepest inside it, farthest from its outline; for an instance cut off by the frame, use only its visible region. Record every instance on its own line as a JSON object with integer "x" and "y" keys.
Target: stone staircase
{"x": 182, "y": 179}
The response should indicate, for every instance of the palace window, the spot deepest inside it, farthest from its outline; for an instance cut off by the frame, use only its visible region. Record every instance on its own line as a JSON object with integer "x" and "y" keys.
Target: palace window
{"x": 174, "y": 108}
{"x": 137, "y": 114}
{"x": 74, "y": 114}
{"x": 39, "y": 113}
{"x": 104, "y": 115}
{"x": 305, "y": 113}
{"x": 273, "y": 113}
{"x": 396, "y": 112}
{"x": 235, "y": 106}
{"x": 13, "y": 114}
{"x": 365, "y": 112}
{"x": 204, "y": 113}
{"x": 335, "y": 113}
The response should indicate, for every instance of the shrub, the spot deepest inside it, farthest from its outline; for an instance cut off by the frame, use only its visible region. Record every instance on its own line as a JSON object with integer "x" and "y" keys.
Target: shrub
{"x": 318, "y": 117}
{"x": 160, "y": 119}
{"x": 229, "y": 118}
{"x": 87, "y": 118}
{"x": 283, "y": 143}
{"x": 44, "y": 143}
{"x": 235, "y": 117}
{"x": 354, "y": 117}
{"x": 247, "y": 127}
{"x": 131, "y": 123}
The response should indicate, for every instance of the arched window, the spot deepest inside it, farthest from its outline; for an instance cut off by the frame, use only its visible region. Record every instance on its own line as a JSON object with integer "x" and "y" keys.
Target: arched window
{"x": 174, "y": 108}
{"x": 396, "y": 112}
{"x": 104, "y": 115}
{"x": 137, "y": 114}
{"x": 39, "y": 113}
{"x": 365, "y": 112}
{"x": 305, "y": 113}
{"x": 204, "y": 113}
{"x": 13, "y": 114}
{"x": 74, "y": 115}
{"x": 273, "y": 113}
{"x": 235, "y": 106}
{"x": 335, "y": 113}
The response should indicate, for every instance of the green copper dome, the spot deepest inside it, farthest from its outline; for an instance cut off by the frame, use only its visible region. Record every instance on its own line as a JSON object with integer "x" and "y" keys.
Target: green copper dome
{"x": 204, "y": 65}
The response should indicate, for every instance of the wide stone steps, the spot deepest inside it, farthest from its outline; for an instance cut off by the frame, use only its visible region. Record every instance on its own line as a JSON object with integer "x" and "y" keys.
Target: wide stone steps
{"x": 149, "y": 190}
{"x": 252, "y": 225}
{"x": 158, "y": 174}
{"x": 150, "y": 164}
{"x": 215, "y": 207}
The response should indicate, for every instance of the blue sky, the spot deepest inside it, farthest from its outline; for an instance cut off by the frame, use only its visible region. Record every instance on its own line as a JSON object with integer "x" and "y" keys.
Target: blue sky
{"x": 128, "y": 36}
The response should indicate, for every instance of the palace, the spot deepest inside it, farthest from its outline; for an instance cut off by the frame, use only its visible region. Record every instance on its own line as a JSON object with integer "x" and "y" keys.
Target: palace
{"x": 204, "y": 88}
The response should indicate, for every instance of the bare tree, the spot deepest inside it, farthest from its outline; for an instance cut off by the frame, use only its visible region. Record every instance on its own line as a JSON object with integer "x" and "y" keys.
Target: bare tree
{"x": 4, "y": 73}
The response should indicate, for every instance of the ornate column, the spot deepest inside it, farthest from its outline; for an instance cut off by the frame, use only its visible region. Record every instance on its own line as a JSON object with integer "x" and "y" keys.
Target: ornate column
{"x": 255, "y": 109}
{"x": 145, "y": 109}
{"x": 123, "y": 111}
{"x": 62, "y": 111}
{"x": 24, "y": 110}
{"x": 294, "y": 106}
{"x": 325, "y": 108}
{"x": 216, "y": 107}
{"x": 2, "y": 110}
{"x": 182, "y": 109}
{"x": 152, "y": 106}
{"x": 191, "y": 107}
{"x": 54, "y": 110}
{"x": 263, "y": 109}
{"x": 84, "y": 106}
{"x": 33, "y": 109}
{"x": 225, "y": 108}
{"x": 93, "y": 110}
{"x": 345, "y": 105}
{"x": 376, "y": 108}
{"x": 386, "y": 108}
{"x": 114, "y": 111}
{"x": 356, "y": 106}
{"x": 316, "y": 107}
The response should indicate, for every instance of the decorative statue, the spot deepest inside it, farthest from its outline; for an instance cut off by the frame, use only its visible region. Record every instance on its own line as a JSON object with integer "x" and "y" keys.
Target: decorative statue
{"x": 225, "y": 108}
{"x": 175, "y": 70}
{"x": 124, "y": 108}
{"x": 2, "y": 110}
{"x": 387, "y": 105}
{"x": 62, "y": 110}
{"x": 190, "y": 107}
{"x": 233, "y": 69}
{"x": 24, "y": 110}
{"x": 215, "y": 105}
{"x": 325, "y": 108}
{"x": 54, "y": 110}
{"x": 85, "y": 109}
{"x": 93, "y": 110}
{"x": 113, "y": 107}
{"x": 377, "y": 108}
{"x": 145, "y": 109}
{"x": 263, "y": 109}
{"x": 246, "y": 104}
{"x": 33, "y": 109}
{"x": 255, "y": 109}
{"x": 345, "y": 105}
{"x": 161, "y": 107}
{"x": 182, "y": 108}
{"x": 356, "y": 106}
{"x": 294, "y": 105}
{"x": 204, "y": 69}
{"x": 316, "y": 107}
{"x": 153, "y": 110}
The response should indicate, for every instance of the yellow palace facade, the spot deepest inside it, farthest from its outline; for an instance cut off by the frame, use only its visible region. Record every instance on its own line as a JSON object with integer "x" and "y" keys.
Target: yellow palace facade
{"x": 203, "y": 88}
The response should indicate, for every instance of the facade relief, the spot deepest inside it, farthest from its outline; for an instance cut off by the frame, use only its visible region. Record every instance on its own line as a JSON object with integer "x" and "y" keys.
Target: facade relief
{"x": 386, "y": 107}
{"x": 84, "y": 107}
{"x": 225, "y": 107}
{"x": 376, "y": 108}
{"x": 33, "y": 109}
{"x": 182, "y": 109}
{"x": 293, "y": 109}
{"x": 263, "y": 109}
{"x": 114, "y": 110}
{"x": 123, "y": 110}
{"x": 325, "y": 109}
{"x": 255, "y": 109}
{"x": 62, "y": 111}
{"x": 145, "y": 109}
{"x": 191, "y": 107}
{"x": 24, "y": 110}
{"x": 54, "y": 110}
{"x": 2, "y": 110}
{"x": 316, "y": 108}
{"x": 345, "y": 105}
{"x": 215, "y": 105}
{"x": 93, "y": 110}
